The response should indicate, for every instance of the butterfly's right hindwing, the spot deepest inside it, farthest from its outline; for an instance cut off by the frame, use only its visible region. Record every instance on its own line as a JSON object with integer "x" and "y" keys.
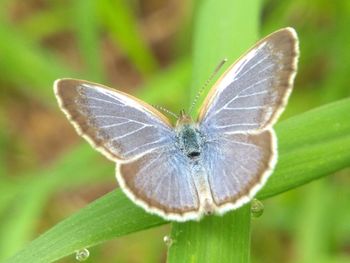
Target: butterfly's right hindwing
{"x": 238, "y": 166}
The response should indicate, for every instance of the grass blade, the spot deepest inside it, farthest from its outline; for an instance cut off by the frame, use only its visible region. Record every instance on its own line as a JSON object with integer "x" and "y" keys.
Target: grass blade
{"x": 87, "y": 29}
{"x": 221, "y": 31}
{"x": 17, "y": 55}
{"x": 204, "y": 242}
{"x": 99, "y": 221}
{"x": 122, "y": 25}
{"x": 17, "y": 225}
{"x": 104, "y": 220}
{"x": 311, "y": 145}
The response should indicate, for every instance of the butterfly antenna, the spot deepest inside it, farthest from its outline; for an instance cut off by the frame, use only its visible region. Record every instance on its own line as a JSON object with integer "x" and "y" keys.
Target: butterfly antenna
{"x": 199, "y": 93}
{"x": 166, "y": 111}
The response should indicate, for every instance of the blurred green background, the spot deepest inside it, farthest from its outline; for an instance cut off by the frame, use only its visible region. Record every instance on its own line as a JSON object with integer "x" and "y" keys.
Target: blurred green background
{"x": 143, "y": 47}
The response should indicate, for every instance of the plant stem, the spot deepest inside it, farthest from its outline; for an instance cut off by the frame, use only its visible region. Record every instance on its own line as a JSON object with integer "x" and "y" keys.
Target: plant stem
{"x": 214, "y": 239}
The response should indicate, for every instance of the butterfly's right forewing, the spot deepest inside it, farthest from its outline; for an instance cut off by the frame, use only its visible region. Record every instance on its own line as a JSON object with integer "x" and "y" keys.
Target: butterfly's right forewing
{"x": 253, "y": 92}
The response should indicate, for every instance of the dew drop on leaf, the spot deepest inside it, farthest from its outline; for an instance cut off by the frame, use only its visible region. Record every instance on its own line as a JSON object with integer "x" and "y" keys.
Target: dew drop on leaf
{"x": 82, "y": 254}
{"x": 257, "y": 208}
{"x": 168, "y": 241}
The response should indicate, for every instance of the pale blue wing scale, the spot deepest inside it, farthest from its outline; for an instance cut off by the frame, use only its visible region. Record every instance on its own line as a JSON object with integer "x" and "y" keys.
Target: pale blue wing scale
{"x": 161, "y": 181}
{"x": 238, "y": 165}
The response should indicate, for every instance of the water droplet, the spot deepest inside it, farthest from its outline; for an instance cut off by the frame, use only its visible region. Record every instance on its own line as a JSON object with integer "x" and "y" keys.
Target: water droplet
{"x": 82, "y": 254}
{"x": 257, "y": 208}
{"x": 168, "y": 241}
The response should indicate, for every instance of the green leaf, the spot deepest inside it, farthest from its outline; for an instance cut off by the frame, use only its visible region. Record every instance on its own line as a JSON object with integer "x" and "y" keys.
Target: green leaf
{"x": 170, "y": 87}
{"x": 38, "y": 67}
{"x": 87, "y": 29}
{"x": 214, "y": 239}
{"x": 221, "y": 31}
{"x": 99, "y": 221}
{"x": 27, "y": 196}
{"x": 46, "y": 23}
{"x": 110, "y": 216}
{"x": 17, "y": 226}
{"x": 311, "y": 145}
{"x": 314, "y": 224}
{"x": 123, "y": 27}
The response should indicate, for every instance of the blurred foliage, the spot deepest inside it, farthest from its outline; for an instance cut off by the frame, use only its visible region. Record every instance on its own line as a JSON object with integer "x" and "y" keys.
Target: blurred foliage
{"x": 143, "y": 47}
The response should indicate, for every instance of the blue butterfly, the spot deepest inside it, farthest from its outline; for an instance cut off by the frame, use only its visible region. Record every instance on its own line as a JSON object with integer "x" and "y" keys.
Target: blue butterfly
{"x": 212, "y": 165}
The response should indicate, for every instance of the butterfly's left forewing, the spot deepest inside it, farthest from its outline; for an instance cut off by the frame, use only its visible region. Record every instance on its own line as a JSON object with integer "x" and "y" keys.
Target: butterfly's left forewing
{"x": 150, "y": 169}
{"x": 113, "y": 122}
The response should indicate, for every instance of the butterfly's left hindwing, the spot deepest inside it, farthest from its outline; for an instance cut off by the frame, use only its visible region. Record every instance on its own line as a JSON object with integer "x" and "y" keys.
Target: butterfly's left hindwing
{"x": 162, "y": 182}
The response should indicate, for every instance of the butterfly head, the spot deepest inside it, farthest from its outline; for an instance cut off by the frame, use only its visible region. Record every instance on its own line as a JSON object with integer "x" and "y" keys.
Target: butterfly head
{"x": 184, "y": 118}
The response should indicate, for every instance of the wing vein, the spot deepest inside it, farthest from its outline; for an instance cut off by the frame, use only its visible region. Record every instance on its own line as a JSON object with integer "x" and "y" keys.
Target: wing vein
{"x": 245, "y": 108}
{"x": 236, "y": 124}
{"x": 253, "y": 94}
{"x": 115, "y": 124}
{"x": 98, "y": 99}
{"x": 251, "y": 67}
{"x": 235, "y": 97}
{"x": 129, "y": 133}
{"x": 146, "y": 144}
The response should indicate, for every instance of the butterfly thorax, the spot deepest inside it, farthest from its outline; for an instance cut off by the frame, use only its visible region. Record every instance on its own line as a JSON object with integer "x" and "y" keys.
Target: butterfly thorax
{"x": 189, "y": 138}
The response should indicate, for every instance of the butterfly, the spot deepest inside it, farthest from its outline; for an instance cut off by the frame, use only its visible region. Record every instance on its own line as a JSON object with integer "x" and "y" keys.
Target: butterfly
{"x": 212, "y": 165}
